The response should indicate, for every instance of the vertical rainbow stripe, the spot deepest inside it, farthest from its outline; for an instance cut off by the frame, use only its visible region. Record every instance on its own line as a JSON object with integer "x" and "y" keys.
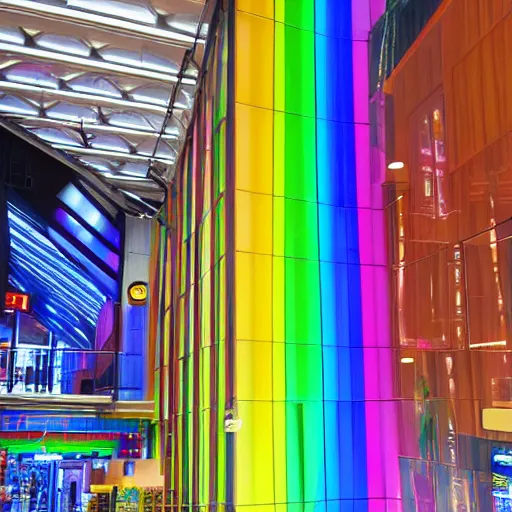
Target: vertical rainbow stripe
{"x": 300, "y": 380}
{"x": 279, "y": 251}
{"x": 199, "y": 463}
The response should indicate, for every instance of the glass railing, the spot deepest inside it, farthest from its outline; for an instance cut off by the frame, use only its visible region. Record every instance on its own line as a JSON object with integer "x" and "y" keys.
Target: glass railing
{"x": 57, "y": 371}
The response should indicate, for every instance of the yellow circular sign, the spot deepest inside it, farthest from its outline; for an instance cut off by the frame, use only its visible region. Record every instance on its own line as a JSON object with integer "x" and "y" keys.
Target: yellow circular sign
{"x": 138, "y": 294}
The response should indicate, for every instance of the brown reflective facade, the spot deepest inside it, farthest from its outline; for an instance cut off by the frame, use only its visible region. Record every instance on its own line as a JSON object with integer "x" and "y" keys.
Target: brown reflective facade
{"x": 449, "y": 209}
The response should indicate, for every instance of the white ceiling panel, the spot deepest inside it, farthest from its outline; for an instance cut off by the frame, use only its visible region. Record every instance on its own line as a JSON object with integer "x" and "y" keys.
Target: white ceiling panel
{"x": 107, "y": 85}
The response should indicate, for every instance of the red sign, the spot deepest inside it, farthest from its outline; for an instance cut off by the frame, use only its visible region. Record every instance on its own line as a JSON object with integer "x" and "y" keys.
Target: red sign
{"x": 3, "y": 466}
{"x": 17, "y": 301}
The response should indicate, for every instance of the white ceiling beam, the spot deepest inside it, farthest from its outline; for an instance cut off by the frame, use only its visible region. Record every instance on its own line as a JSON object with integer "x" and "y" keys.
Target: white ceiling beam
{"x": 90, "y": 63}
{"x": 34, "y": 122}
{"x": 110, "y": 153}
{"x": 98, "y": 184}
{"x": 125, "y": 27}
{"x": 84, "y": 98}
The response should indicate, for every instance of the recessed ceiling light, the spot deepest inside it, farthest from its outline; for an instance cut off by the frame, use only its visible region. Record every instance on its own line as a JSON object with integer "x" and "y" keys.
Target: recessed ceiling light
{"x": 395, "y": 166}
{"x": 489, "y": 344}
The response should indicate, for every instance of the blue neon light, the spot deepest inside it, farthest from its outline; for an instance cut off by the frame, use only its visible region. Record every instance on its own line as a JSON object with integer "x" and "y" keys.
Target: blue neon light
{"x": 74, "y": 228}
{"x": 78, "y": 203}
{"x": 15, "y": 421}
{"x": 64, "y": 298}
{"x": 105, "y": 282}
{"x": 343, "y": 362}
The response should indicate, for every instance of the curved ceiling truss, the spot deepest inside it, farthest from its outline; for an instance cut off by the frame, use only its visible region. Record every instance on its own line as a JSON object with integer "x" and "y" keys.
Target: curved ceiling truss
{"x": 106, "y": 87}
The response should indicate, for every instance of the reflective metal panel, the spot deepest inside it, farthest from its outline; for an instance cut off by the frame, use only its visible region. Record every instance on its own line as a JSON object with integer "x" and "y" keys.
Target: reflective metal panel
{"x": 107, "y": 85}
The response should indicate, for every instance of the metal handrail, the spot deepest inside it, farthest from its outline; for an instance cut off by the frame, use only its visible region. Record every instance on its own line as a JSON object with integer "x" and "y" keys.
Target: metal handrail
{"x": 47, "y": 374}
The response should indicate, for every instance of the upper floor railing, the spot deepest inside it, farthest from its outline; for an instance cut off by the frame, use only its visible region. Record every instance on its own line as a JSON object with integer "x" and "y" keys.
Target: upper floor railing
{"x": 58, "y": 371}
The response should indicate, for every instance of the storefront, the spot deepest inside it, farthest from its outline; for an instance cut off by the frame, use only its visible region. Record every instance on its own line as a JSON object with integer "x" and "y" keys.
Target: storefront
{"x": 53, "y": 483}
{"x": 28, "y": 482}
{"x": 54, "y": 472}
{"x": 502, "y": 480}
{"x": 105, "y": 498}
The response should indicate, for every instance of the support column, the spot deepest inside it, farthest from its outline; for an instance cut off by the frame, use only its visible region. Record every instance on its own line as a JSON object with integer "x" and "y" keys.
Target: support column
{"x": 133, "y": 360}
{"x": 282, "y": 371}
{"x": 12, "y": 356}
{"x": 313, "y": 356}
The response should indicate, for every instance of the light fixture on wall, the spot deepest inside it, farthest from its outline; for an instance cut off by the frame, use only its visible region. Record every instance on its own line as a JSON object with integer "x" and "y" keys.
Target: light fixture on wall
{"x": 138, "y": 294}
{"x": 396, "y": 166}
{"x": 489, "y": 344}
{"x": 407, "y": 360}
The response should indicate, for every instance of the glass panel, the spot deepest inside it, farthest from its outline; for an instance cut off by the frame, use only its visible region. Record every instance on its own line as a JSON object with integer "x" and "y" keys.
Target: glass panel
{"x": 487, "y": 258}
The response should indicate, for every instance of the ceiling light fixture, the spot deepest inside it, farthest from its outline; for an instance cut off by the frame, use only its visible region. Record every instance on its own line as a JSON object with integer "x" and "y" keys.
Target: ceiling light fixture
{"x": 111, "y": 176}
{"x": 488, "y": 344}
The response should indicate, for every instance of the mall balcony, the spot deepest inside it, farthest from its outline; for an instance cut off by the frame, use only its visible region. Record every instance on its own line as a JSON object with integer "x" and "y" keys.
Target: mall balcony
{"x": 95, "y": 104}
{"x": 67, "y": 334}
{"x": 96, "y": 99}
{"x": 75, "y": 379}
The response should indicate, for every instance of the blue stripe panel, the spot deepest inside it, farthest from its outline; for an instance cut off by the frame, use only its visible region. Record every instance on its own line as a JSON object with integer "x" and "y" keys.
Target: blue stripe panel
{"x": 334, "y": 18}
{"x": 335, "y": 304}
{"x": 334, "y": 86}
{"x": 333, "y": 234}
{"x": 65, "y": 299}
{"x": 348, "y": 450}
{"x": 359, "y": 440}
{"x": 343, "y": 363}
{"x": 336, "y": 163}
{"x": 333, "y": 444}
{"x": 107, "y": 284}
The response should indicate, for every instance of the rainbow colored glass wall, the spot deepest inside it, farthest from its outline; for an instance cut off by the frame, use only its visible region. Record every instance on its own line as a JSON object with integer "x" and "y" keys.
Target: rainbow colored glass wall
{"x": 281, "y": 271}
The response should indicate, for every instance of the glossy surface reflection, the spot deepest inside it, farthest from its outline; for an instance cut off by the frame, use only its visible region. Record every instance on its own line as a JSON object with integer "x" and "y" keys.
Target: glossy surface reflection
{"x": 449, "y": 238}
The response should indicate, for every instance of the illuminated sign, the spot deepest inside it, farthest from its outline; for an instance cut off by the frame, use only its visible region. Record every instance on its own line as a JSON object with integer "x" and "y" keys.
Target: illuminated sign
{"x": 138, "y": 294}
{"x": 47, "y": 457}
{"x": 19, "y": 301}
{"x": 3, "y": 466}
{"x": 499, "y": 482}
{"x": 502, "y": 459}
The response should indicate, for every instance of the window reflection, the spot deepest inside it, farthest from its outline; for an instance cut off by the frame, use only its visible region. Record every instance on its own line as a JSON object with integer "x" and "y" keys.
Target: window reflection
{"x": 431, "y": 162}
{"x": 488, "y": 258}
